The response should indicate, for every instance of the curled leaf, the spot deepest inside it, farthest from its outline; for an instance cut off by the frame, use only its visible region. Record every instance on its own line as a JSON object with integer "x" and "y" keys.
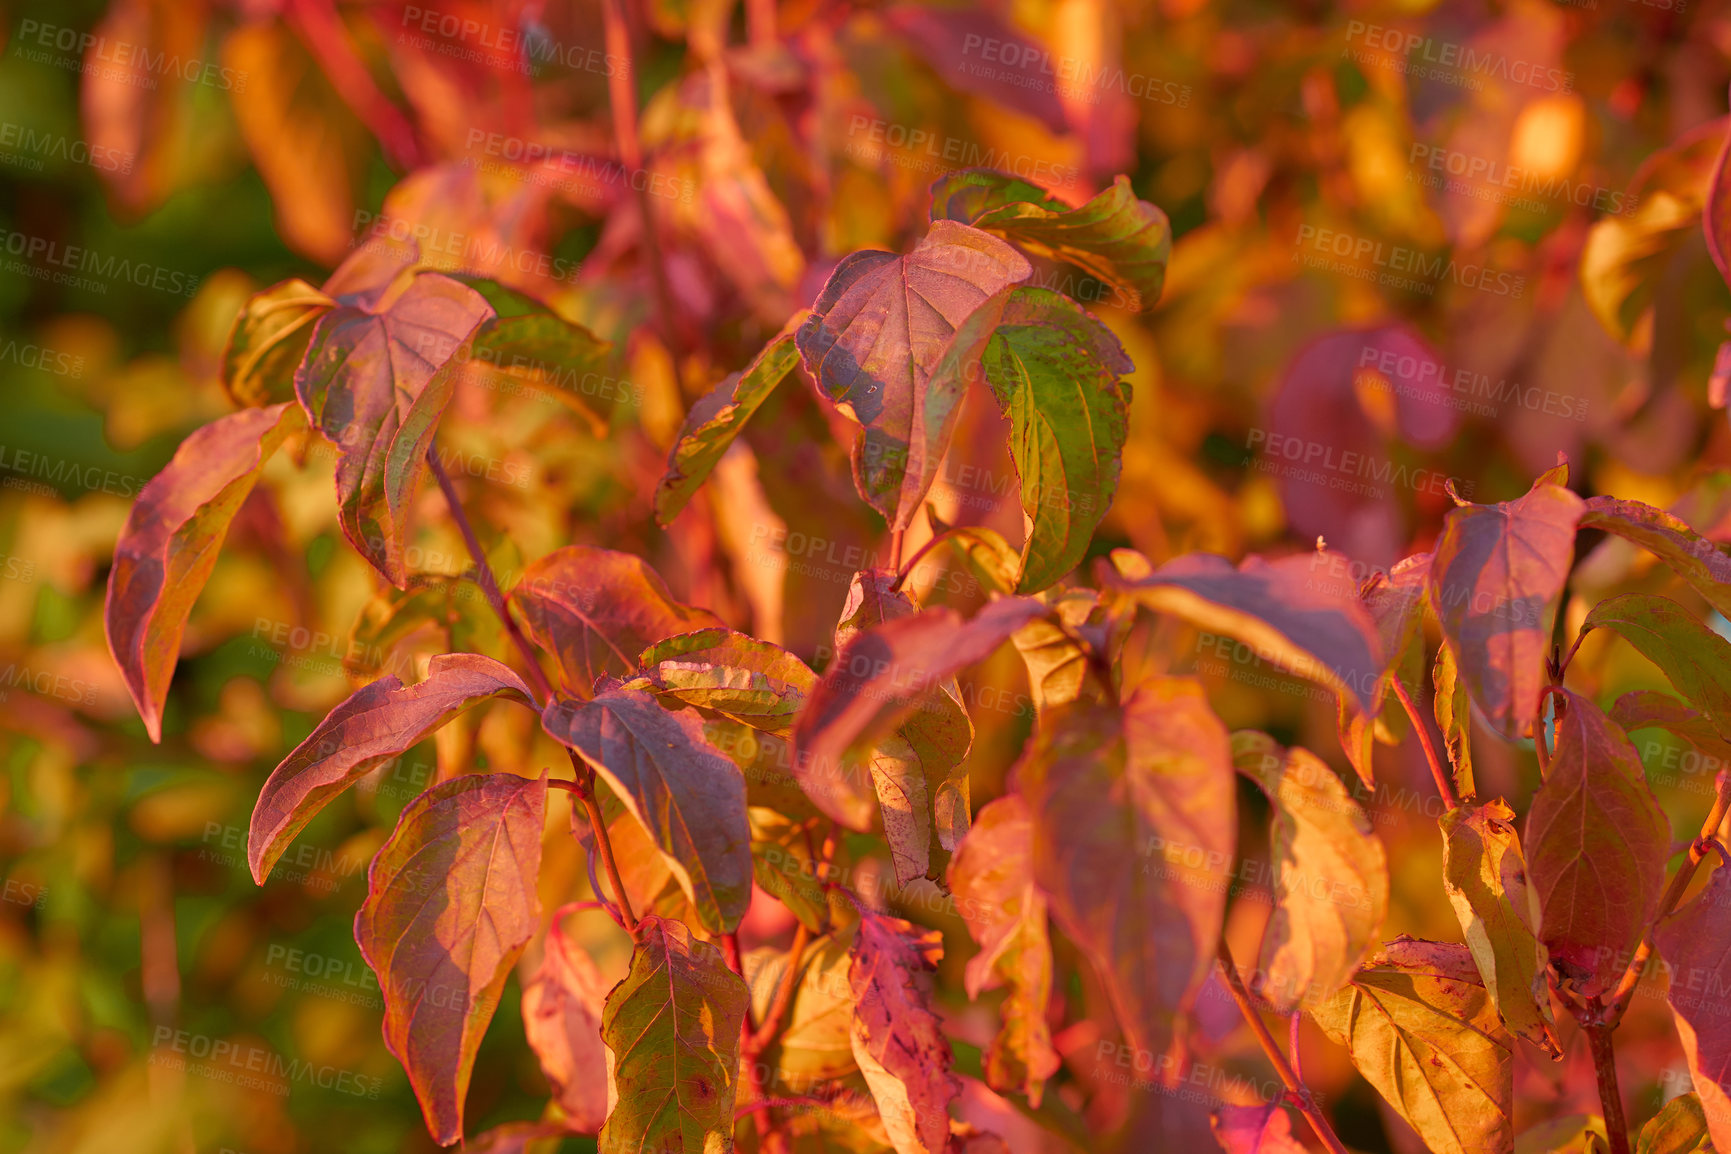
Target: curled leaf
{"x": 562, "y": 1008}
{"x": 897, "y": 1039}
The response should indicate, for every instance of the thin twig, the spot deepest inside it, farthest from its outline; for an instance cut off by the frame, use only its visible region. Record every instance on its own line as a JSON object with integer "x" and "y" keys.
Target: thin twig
{"x": 1299, "y": 1092}
{"x": 593, "y": 810}
{"x": 489, "y": 584}
{"x": 769, "y": 1138}
{"x": 321, "y": 29}
{"x": 1610, "y": 1097}
{"x": 1445, "y": 785}
{"x": 896, "y": 549}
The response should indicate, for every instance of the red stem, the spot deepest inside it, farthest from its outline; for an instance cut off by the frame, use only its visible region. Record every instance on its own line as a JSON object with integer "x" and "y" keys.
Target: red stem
{"x": 322, "y": 30}
{"x": 1439, "y": 772}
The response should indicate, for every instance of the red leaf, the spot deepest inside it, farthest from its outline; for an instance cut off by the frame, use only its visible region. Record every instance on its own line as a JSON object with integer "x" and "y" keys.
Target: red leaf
{"x": 942, "y": 37}
{"x": 876, "y": 334}
{"x": 1134, "y": 819}
{"x": 376, "y": 379}
{"x": 686, "y": 793}
{"x": 1261, "y": 1129}
{"x": 562, "y": 1007}
{"x": 1315, "y": 628}
{"x": 1695, "y": 942}
{"x": 1495, "y": 577}
{"x": 169, "y": 544}
{"x": 375, "y": 724}
{"x": 898, "y": 1041}
{"x": 451, "y": 902}
{"x": 597, "y": 610}
{"x": 1697, "y": 560}
{"x": 878, "y": 679}
{"x": 1596, "y": 844}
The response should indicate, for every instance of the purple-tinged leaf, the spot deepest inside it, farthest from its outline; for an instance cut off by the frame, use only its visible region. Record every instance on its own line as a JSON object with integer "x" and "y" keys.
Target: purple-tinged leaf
{"x": 1277, "y": 607}
{"x": 993, "y": 882}
{"x": 875, "y": 337}
{"x": 898, "y": 1040}
{"x": 376, "y": 723}
{"x": 169, "y": 545}
{"x": 673, "y": 1026}
{"x": 1495, "y": 578}
{"x": 562, "y": 1008}
{"x": 1649, "y": 709}
{"x": 1134, "y": 827}
{"x": 1596, "y": 844}
{"x": 596, "y": 610}
{"x": 1695, "y": 942}
{"x": 451, "y": 903}
{"x": 686, "y": 793}
{"x": 1700, "y": 562}
{"x": 375, "y": 381}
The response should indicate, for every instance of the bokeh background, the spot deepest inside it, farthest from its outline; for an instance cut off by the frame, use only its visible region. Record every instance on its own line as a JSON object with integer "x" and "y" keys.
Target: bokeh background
{"x": 1416, "y": 245}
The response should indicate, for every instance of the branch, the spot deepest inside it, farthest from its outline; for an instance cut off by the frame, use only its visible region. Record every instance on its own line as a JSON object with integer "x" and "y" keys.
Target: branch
{"x": 1445, "y": 785}
{"x": 1610, "y": 1097}
{"x": 1299, "y": 1092}
{"x": 770, "y": 1139}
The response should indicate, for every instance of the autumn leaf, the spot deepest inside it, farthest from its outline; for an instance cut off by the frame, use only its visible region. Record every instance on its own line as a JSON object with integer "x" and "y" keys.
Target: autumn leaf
{"x": 1123, "y": 241}
{"x": 596, "y": 610}
{"x": 1696, "y": 947}
{"x": 1134, "y": 825}
{"x": 529, "y": 344}
{"x": 1422, "y": 1030}
{"x": 1485, "y": 876}
{"x": 169, "y": 545}
{"x": 1495, "y": 577}
{"x": 451, "y": 903}
{"x": 1680, "y": 1127}
{"x": 1695, "y": 659}
{"x": 1310, "y": 628}
{"x": 717, "y": 418}
{"x": 269, "y": 338}
{"x": 673, "y": 1026}
{"x": 993, "y": 882}
{"x": 1055, "y": 372}
{"x": 1454, "y": 717}
{"x": 1700, "y": 562}
{"x": 1058, "y": 668}
{"x": 1329, "y": 871}
{"x": 687, "y": 795}
{"x": 1596, "y": 844}
{"x": 733, "y": 675}
{"x": 375, "y": 381}
{"x": 1254, "y": 1129}
{"x": 1647, "y": 709}
{"x": 375, "y": 724}
{"x": 874, "y": 338}
{"x": 943, "y": 37}
{"x": 562, "y": 1007}
{"x": 814, "y": 1047}
{"x": 898, "y": 1040}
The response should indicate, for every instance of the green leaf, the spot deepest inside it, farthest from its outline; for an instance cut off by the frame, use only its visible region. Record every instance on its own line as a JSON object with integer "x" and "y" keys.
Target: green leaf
{"x": 673, "y": 1026}
{"x": 784, "y": 867}
{"x": 375, "y": 381}
{"x": 451, "y": 902}
{"x": 1422, "y": 1030}
{"x": 1679, "y": 1128}
{"x": 1570, "y": 1134}
{"x": 1486, "y": 879}
{"x": 1695, "y": 659}
{"x": 169, "y": 544}
{"x": 993, "y": 882}
{"x": 1134, "y": 824}
{"x": 815, "y": 1042}
{"x": 687, "y": 795}
{"x": 1330, "y": 874}
{"x": 1596, "y": 844}
{"x": 897, "y": 1039}
{"x": 1648, "y": 709}
{"x": 1495, "y": 578}
{"x": 1700, "y": 562}
{"x": 1055, "y": 372}
{"x": 717, "y": 418}
{"x": 1454, "y": 716}
{"x": 267, "y": 342}
{"x": 1123, "y": 241}
{"x": 732, "y": 675}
